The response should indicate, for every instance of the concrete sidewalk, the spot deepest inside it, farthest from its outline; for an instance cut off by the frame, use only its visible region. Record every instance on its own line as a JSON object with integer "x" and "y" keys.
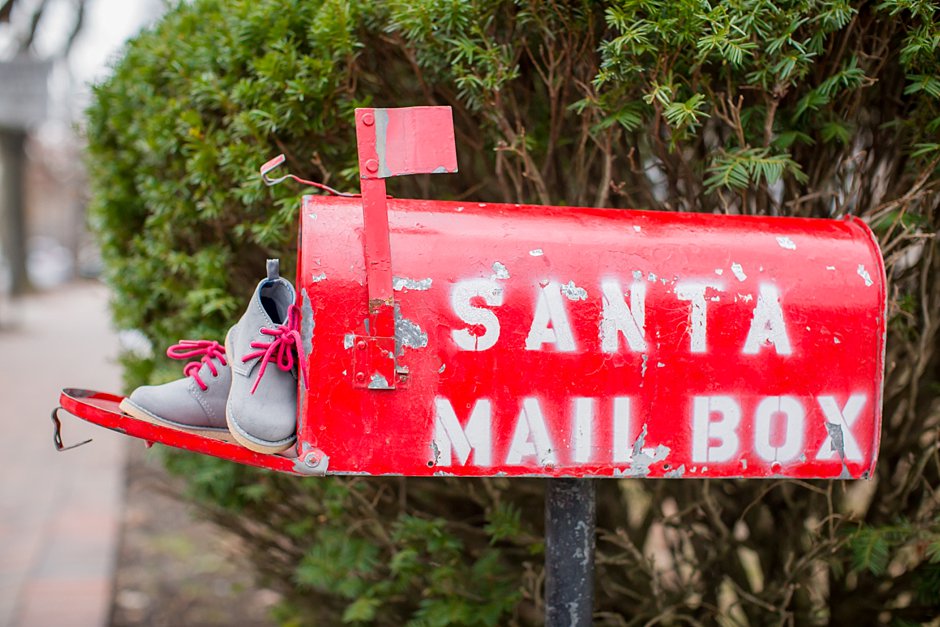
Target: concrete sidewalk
{"x": 59, "y": 512}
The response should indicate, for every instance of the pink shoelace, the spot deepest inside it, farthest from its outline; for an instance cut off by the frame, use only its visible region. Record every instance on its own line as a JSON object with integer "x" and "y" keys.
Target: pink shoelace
{"x": 280, "y": 350}
{"x": 208, "y": 350}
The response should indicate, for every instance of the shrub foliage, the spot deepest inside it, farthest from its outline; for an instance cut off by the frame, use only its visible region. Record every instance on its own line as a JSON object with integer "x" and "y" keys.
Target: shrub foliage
{"x": 799, "y": 107}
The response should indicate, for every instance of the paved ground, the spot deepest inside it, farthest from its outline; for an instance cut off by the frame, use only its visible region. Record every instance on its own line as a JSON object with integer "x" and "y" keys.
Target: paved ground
{"x": 59, "y": 512}
{"x": 175, "y": 568}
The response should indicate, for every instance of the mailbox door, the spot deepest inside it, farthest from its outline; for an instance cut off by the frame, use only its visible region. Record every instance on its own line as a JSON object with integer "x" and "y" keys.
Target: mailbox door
{"x": 558, "y": 341}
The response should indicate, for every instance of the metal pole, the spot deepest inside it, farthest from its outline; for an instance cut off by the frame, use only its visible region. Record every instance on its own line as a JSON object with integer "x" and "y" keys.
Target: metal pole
{"x": 569, "y": 552}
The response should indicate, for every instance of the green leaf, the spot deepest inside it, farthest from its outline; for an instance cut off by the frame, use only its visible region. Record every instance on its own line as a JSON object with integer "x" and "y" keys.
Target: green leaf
{"x": 933, "y": 550}
{"x": 784, "y": 140}
{"x": 405, "y": 561}
{"x": 362, "y": 609}
{"x": 836, "y": 131}
{"x": 925, "y": 83}
{"x": 870, "y": 551}
{"x": 659, "y": 92}
{"x": 738, "y": 169}
{"x": 927, "y": 579}
{"x": 629, "y": 116}
{"x": 686, "y": 114}
{"x": 812, "y": 101}
{"x": 924, "y": 149}
{"x": 504, "y": 522}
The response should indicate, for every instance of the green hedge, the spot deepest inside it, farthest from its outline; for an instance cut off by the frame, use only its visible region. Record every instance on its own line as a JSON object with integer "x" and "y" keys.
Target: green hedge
{"x": 809, "y": 108}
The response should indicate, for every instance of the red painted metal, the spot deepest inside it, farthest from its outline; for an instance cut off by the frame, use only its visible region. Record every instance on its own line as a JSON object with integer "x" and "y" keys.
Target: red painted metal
{"x": 102, "y": 409}
{"x": 377, "y": 370}
{"x": 391, "y": 142}
{"x": 560, "y": 341}
{"x": 407, "y": 140}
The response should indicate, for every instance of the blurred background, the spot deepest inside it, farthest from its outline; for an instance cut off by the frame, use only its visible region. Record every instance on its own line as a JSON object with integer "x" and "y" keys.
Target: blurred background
{"x": 50, "y": 53}
{"x": 96, "y": 535}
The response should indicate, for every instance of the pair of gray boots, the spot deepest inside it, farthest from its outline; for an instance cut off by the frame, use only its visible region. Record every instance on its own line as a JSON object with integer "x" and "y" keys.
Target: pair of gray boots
{"x": 232, "y": 392}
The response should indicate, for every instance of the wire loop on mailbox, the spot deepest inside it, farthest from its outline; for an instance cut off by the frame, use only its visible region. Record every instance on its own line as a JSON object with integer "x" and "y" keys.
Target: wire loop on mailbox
{"x": 280, "y": 159}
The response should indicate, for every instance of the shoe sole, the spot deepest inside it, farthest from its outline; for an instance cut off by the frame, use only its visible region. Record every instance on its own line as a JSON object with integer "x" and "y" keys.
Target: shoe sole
{"x": 136, "y": 411}
{"x": 269, "y": 448}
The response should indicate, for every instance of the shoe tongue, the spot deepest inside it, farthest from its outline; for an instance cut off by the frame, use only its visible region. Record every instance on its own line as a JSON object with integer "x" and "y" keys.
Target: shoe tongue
{"x": 276, "y": 297}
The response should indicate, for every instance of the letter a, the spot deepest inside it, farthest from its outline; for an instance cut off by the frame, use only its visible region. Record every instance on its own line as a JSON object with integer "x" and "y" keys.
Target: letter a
{"x": 767, "y": 324}
{"x": 550, "y": 323}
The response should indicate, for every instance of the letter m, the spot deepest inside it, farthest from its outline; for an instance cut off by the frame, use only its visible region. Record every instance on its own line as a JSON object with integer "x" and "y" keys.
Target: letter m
{"x": 450, "y": 436}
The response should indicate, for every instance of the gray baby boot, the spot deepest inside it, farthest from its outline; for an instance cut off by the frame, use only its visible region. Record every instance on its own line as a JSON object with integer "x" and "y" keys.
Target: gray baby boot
{"x": 263, "y": 350}
{"x": 195, "y": 403}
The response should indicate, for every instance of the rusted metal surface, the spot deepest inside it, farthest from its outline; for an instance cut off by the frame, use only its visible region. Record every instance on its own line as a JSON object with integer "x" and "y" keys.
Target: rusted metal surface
{"x": 560, "y": 341}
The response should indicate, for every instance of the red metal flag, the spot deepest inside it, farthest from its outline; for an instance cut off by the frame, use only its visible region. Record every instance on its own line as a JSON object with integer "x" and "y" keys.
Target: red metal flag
{"x": 409, "y": 140}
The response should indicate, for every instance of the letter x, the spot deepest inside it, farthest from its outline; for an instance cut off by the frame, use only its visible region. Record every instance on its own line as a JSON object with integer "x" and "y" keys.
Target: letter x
{"x": 844, "y": 419}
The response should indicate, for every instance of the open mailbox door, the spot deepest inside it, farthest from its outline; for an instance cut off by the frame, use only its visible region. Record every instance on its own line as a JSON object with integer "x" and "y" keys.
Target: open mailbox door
{"x": 474, "y": 339}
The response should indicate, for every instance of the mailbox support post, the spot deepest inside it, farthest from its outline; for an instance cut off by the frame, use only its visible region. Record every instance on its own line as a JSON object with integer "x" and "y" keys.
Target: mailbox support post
{"x": 570, "y": 516}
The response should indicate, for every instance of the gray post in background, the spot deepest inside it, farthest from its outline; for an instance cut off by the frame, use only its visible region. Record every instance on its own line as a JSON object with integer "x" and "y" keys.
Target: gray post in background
{"x": 12, "y": 207}
{"x": 570, "y": 520}
{"x": 24, "y": 95}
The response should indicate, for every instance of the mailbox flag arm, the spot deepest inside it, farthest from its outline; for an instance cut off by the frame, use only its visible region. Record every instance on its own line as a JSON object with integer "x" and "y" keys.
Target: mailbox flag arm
{"x": 392, "y": 142}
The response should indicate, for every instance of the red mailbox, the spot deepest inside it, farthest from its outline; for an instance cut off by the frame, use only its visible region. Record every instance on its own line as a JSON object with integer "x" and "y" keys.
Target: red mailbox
{"x": 566, "y": 341}
{"x": 475, "y": 339}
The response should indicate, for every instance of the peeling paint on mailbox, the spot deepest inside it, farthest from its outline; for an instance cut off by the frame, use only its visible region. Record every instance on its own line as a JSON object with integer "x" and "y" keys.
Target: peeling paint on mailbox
{"x": 580, "y": 342}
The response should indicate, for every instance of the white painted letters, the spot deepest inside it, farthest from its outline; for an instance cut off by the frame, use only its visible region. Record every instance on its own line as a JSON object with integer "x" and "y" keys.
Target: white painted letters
{"x": 531, "y": 423}
{"x": 618, "y": 318}
{"x": 698, "y": 316}
{"x": 777, "y": 432}
{"x": 562, "y": 411}
{"x": 792, "y": 431}
{"x": 492, "y": 294}
{"x": 477, "y": 436}
{"x": 767, "y": 324}
{"x": 622, "y": 449}
{"x": 704, "y": 429}
{"x": 550, "y": 323}
{"x": 582, "y": 429}
{"x": 843, "y": 419}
